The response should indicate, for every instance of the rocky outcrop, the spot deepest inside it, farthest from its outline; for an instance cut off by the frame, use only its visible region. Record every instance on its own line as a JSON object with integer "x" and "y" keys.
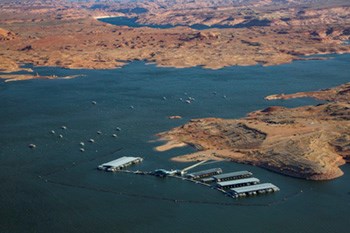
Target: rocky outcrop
{"x": 6, "y": 35}
{"x": 337, "y": 94}
{"x": 308, "y": 142}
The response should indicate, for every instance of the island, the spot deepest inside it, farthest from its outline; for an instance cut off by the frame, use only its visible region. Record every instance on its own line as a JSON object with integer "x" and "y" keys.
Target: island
{"x": 309, "y": 142}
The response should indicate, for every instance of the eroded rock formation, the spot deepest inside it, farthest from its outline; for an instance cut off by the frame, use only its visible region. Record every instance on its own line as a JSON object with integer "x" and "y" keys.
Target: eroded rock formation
{"x": 309, "y": 142}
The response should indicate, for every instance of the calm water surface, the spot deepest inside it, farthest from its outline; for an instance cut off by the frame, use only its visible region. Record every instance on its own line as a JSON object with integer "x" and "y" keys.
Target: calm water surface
{"x": 56, "y": 188}
{"x": 132, "y": 22}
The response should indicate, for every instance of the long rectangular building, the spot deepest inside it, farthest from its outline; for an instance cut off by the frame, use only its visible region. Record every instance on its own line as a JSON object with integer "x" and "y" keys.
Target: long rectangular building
{"x": 232, "y": 176}
{"x": 238, "y": 183}
{"x": 254, "y": 189}
{"x": 119, "y": 164}
{"x": 204, "y": 173}
{"x": 208, "y": 180}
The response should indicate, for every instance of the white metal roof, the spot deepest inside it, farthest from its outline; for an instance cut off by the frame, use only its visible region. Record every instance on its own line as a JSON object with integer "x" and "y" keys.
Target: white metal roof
{"x": 232, "y": 174}
{"x": 256, "y": 187}
{"x": 119, "y": 162}
{"x": 199, "y": 173}
{"x": 240, "y": 181}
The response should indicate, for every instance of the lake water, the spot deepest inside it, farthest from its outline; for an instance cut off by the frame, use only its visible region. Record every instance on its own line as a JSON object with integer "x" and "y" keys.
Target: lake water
{"x": 132, "y": 22}
{"x": 56, "y": 188}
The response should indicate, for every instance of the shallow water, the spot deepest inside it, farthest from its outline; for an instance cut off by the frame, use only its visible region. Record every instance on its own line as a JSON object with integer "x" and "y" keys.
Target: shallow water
{"x": 56, "y": 188}
{"x": 132, "y": 22}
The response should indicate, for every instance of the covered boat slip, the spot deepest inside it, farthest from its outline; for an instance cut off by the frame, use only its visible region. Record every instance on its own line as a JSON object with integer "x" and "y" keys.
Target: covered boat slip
{"x": 232, "y": 176}
{"x": 120, "y": 163}
{"x": 207, "y": 180}
{"x": 204, "y": 173}
{"x": 254, "y": 189}
{"x": 237, "y": 183}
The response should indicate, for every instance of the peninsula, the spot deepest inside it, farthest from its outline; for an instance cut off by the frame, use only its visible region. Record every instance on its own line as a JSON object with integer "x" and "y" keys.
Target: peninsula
{"x": 309, "y": 142}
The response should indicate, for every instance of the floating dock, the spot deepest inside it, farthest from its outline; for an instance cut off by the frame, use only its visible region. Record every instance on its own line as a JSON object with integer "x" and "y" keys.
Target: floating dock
{"x": 254, "y": 190}
{"x": 119, "y": 164}
{"x": 238, "y": 183}
{"x": 163, "y": 172}
{"x": 204, "y": 174}
{"x": 232, "y": 176}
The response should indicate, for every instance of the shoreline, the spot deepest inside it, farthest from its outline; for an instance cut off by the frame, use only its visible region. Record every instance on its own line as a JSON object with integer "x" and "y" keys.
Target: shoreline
{"x": 146, "y": 62}
{"x": 309, "y": 142}
{"x": 106, "y": 16}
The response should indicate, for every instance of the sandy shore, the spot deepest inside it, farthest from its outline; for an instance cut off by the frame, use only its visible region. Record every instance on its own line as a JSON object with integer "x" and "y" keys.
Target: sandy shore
{"x": 106, "y": 16}
{"x": 170, "y": 145}
{"x": 209, "y": 155}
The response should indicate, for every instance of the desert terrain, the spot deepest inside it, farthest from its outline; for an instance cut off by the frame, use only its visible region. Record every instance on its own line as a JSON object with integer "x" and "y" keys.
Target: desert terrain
{"x": 67, "y": 33}
{"x": 309, "y": 142}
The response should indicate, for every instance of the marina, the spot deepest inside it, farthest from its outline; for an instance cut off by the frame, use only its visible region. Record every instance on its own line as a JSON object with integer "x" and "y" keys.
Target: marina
{"x": 234, "y": 186}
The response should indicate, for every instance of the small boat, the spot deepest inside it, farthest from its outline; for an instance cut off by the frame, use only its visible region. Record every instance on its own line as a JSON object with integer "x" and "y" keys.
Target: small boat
{"x": 32, "y": 146}
{"x": 82, "y": 143}
{"x": 64, "y": 127}
{"x": 82, "y": 149}
{"x": 91, "y": 140}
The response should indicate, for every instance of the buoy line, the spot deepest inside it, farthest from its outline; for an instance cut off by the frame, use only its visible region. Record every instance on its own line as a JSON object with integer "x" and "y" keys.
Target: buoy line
{"x": 153, "y": 197}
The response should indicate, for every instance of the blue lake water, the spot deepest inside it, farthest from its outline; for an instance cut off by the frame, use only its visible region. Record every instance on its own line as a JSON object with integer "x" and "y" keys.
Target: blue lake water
{"x": 132, "y": 22}
{"x": 56, "y": 188}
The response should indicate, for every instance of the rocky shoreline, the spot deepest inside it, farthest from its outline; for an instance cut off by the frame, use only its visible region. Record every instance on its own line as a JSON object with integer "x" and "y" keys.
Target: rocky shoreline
{"x": 309, "y": 142}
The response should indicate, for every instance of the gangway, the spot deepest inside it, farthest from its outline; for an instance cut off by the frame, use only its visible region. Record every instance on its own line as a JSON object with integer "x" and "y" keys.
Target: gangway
{"x": 183, "y": 171}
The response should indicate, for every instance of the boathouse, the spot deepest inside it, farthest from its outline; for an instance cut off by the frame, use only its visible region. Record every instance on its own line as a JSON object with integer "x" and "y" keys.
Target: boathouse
{"x": 204, "y": 173}
{"x": 254, "y": 190}
{"x": 232, "y": 176}
{"x": 237, "y": 183}
{"x": 119, "y": 164}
